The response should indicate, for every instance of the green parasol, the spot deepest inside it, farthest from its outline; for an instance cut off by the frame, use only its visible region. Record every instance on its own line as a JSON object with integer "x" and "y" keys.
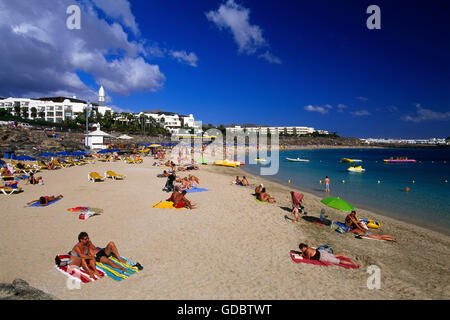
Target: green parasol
{"x": 337, "y": 203}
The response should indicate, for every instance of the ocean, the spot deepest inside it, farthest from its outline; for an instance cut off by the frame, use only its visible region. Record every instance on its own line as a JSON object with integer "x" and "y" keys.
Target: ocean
{"x": 381, "y": 188}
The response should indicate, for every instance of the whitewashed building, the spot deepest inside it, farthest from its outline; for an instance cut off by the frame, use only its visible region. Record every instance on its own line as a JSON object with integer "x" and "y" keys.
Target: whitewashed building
{"x": 51, "y": 109}
{"x": 275, "y": 130}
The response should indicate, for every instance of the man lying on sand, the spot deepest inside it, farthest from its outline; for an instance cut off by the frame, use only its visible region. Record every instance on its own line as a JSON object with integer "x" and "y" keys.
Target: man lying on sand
{"x": 44, "y": 200}
{"x": 322, "y": 255}
{"x": 85, "y": 254}
{"x": 355, "y": 226}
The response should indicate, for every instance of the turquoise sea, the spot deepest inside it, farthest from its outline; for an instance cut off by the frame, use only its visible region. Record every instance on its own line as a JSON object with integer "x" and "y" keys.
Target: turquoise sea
{"x": 381, "y": 188}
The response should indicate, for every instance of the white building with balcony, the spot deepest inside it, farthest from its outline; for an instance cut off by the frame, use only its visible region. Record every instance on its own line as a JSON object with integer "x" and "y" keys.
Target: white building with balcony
{"x": 51, "y": 109}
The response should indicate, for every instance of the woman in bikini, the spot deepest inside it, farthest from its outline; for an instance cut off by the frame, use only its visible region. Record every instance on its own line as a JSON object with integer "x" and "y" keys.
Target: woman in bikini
{"x": 45, "y": 200}
{"x": 355, "y": 226}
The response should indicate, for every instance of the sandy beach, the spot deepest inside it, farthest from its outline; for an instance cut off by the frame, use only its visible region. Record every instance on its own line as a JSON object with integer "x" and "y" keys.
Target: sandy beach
{"x": 230, "y": 247}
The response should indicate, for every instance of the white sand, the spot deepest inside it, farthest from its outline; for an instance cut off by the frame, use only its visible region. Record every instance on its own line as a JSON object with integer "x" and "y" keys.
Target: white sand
{"x": 230, "y": 247}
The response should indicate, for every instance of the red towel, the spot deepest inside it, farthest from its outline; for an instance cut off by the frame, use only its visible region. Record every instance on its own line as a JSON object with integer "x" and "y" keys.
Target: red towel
{"x": 321, "y": 263}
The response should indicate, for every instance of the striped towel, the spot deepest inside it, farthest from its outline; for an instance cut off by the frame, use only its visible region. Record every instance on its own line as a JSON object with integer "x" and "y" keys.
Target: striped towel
{"x": 77, "y": 273}
{"x": 116, "y": 273}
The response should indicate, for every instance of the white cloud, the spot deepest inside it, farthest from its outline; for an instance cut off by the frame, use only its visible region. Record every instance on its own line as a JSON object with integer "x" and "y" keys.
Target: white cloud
{"x": 270, "y": 58}
{"x": 249, "y": 37}
{"x": 318, "y": 109}
{"x": 40, "y": 56}
{"x": 181, "y": 56}
{"x": 362, "y": 98}
{"x": 360, "y": 113}
{"x": 120, "y": 10}
{"x": 423, "y": 114}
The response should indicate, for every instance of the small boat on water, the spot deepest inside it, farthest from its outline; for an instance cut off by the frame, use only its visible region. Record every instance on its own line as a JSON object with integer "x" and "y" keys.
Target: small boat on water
{"x": 356, "y": 169}
{"x": 399, "y": 160}
{"x": 350, "y": 160}
{"x": 297, "y": 160}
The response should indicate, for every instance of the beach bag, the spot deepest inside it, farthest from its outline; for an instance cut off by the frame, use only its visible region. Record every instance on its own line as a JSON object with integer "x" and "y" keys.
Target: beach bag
{"x": 62, "y": 260}
{"x": 326, "y": 248}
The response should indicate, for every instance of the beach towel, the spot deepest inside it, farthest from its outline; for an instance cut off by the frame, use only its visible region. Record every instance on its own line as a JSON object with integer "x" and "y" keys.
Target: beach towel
{"x": 116, "y": 273}
{"x": 77, "y": 273}
{"x": 37, "y": 204}
{"x": 257, "y": 200}
{"x": 195, "y": 190}
{"x": 85, "y": 209}
{"x": 164, "y": 205}
{"x": 240, "y": 185}
{"x": 296, "y": 259}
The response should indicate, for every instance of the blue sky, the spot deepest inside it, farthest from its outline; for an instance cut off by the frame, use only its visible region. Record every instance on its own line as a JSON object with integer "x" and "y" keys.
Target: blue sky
{"x": 280, "y": 63}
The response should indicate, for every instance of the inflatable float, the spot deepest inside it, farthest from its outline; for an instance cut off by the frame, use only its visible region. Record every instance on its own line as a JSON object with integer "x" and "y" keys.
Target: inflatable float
{"x": 356, "y": 169}
{"x": 227, "y": 163}
{"x": 350, "y": 160}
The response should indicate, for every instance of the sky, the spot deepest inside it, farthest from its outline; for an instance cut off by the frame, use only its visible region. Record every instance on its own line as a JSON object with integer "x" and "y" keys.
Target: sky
{"x": 275, "y": 63}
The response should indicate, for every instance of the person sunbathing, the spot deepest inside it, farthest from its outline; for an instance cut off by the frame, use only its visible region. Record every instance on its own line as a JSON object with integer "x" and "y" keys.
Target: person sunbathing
{"x": 180, "y": 201}
{"x": 45, "y": 200}
{"x": 50, "y": 165}
{"x": 33, "y": 180}
{"x": 6, "y": 173}
{"x": 258, "y": 189}
{"x": 194, "y": 181}
{"x": 322, "y": 255}
{"x": 85, "y": 254}
{"x": 238, "y": 181}
{"x": 165, "y": 173}
{"x": 244, "y": 181}
{"x": 174, "y": 194}
{"x": 264, "y": 196}
{"x": 355, "y": 226}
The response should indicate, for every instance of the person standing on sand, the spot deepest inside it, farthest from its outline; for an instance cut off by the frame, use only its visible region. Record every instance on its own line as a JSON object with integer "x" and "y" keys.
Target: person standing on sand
{"x": 326, "y": 182}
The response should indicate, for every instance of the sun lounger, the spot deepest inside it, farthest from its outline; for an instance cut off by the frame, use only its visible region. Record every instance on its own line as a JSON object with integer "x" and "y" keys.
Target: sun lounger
{"x": 106, "y": 159}
{"x": 94, "y": 176}
{"x": 113, "y": 175}
{"x": 9, "y": 190}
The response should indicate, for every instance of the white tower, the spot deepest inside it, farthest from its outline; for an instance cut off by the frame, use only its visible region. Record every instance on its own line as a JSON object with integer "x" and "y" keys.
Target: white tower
{"x": 101, "y": 96}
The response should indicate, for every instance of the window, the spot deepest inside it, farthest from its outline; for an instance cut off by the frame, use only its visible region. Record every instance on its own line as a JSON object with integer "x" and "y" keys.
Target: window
{"x": 50, "y": 114}
{"x": 58, "y": 108}
{"x": 50, "y": 108}
{"x": 59, "y": 113}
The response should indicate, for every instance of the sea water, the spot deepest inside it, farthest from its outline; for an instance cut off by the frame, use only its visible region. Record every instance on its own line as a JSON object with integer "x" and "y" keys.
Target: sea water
{"x": 382, "y": 187}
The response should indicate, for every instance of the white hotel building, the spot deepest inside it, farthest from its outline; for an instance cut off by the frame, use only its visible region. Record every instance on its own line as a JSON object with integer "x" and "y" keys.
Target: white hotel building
{"x": 173, "y": 122}
{"x": 53, "y": 109}
{"x": 275, "y": 130}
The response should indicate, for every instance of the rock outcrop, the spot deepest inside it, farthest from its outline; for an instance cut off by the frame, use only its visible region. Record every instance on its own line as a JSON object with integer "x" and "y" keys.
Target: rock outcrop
{"x": 20, "y": 290}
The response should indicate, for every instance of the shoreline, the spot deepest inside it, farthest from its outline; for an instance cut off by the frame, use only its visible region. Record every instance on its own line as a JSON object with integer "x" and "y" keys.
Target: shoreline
{"x": 374, "y": 210}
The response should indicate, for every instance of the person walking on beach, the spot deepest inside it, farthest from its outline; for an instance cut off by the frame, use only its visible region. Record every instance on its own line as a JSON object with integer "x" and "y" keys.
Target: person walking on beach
{"x": 326, "y": 182}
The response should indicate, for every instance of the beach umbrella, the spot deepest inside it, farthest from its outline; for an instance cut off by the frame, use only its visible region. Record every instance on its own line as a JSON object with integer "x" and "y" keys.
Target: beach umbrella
{"x": 46, "y": 154}
{"x": 104, "y": 151}
{"x": 62, "y": 153}
{"x": 24, "y": 158}
{"x": 337, "y": 203}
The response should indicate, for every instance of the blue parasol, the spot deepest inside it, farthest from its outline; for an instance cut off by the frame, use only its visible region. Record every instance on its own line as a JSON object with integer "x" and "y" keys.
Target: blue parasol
{"x": 46, "y": 154}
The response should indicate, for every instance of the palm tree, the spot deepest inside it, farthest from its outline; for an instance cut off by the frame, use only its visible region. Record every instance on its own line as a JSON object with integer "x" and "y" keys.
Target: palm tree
{"x": 25, "y": 113}
{"x": 33, "y": 112}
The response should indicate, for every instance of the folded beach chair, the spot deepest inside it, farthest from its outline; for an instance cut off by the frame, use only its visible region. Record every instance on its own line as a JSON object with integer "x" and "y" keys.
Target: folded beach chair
{"x": 113, "y": 175}
{"x": 9, "y": 190}
{"x": 94, "y": 176}
{"x": 41, "y": 165}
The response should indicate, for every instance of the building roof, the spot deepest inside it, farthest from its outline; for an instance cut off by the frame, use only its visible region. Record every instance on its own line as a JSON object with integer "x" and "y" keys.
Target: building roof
{"x": 61, "y": 99}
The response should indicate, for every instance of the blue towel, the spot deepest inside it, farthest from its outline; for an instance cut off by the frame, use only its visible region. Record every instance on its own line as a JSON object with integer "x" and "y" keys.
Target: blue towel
{"x": 37, "y": 204}
{"x": 195, "y": 190}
